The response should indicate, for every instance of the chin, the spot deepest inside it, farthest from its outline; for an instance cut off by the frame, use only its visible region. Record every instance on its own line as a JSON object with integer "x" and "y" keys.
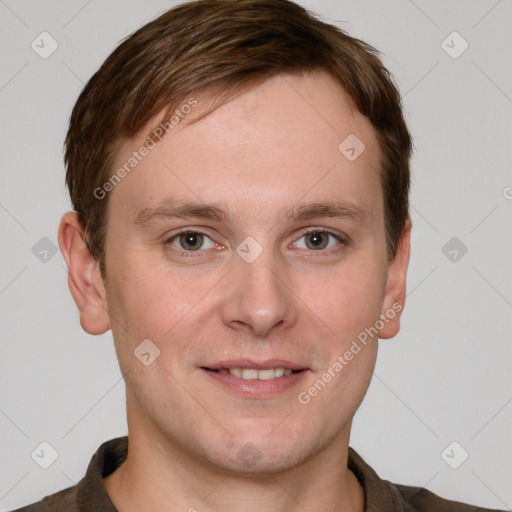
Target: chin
{"x": 260, "y": 454}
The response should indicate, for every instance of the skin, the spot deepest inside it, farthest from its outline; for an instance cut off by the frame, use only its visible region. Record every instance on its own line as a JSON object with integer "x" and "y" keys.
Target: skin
{"x": 272, "y": 148}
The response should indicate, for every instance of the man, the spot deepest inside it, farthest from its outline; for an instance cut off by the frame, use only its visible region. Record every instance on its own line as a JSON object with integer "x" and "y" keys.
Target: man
{"x": 239, "y": 172}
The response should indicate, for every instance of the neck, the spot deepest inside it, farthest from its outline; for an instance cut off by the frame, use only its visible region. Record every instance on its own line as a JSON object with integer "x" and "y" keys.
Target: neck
{"x": 160, "y": 476}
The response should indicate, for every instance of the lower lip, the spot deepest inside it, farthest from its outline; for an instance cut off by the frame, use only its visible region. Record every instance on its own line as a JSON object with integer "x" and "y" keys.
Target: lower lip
{"x": 256, "y": 388}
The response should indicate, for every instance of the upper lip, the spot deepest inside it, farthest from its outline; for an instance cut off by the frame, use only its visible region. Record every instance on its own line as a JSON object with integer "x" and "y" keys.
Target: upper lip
{"x": 257, "y": 365}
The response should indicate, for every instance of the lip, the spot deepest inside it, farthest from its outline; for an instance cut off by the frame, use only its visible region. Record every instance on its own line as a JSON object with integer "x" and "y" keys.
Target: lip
{"x": 256, "y": 388}
{"x": 256, "y": 365}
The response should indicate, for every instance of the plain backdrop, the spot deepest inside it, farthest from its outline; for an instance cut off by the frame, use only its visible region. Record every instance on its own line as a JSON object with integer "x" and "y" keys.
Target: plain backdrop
{"x": 445, "y": 378}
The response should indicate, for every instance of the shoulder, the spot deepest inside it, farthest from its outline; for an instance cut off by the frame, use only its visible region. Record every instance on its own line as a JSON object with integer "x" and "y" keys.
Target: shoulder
{"x": 89, "y": 493}
{"x": 385, "y": 496}
{"x": 418, "y": 499}
{"x": 61, "y": 501}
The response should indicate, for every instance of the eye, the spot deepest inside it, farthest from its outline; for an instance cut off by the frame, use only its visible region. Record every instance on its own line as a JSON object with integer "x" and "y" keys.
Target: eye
{"x": 318, "y": 240}
{"x": 191, "y": 241}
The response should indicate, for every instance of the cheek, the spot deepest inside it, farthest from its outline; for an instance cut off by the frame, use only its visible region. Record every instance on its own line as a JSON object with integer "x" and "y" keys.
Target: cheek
{"x": 348, "y": 300}
{"x": 149, "y": 300}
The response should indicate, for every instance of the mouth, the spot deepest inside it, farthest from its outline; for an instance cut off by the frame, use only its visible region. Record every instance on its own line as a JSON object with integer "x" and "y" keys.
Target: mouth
{"x": 254, "y": 379}
{"x": 254, "y": 373}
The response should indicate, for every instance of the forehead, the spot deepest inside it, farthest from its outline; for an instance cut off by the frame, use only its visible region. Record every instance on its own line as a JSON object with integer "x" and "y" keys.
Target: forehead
{"x": 291, "y": 140}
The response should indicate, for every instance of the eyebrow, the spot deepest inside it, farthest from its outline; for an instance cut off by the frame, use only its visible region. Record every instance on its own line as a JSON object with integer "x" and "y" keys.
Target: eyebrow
{"x": 218, "y": 212}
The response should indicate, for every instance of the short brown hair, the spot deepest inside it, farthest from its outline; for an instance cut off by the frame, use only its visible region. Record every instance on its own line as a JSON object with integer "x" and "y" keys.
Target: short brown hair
{"x": 226, "y": 47}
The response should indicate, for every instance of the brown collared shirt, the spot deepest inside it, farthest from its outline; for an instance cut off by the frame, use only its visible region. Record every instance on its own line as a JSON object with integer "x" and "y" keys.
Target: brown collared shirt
{"x": 90, "y": 494}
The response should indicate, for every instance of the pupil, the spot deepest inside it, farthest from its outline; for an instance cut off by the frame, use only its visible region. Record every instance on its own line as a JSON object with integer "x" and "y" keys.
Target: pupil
{"x": 190, "y": 240}
{"x": 315, "y": 240}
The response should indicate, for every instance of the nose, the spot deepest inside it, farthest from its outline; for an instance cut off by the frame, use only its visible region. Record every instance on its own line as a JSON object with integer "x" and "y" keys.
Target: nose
{"x": 258, "y": 297}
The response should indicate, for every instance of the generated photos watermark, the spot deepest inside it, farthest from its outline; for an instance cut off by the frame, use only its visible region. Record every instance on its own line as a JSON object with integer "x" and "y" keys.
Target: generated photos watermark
{"x": 341, "y": 361}
{"x": 159, "y": 132}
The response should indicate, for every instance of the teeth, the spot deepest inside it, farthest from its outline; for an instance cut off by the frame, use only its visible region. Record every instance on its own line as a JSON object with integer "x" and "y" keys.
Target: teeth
{"x": 251, "y": 373}
{"x": 266, "y": 374}
{"x": 237, "y": 372}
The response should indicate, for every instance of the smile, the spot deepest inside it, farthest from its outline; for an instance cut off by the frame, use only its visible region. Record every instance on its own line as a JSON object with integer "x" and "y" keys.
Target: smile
{"x": 256, "y": 380}
{"x": 253, "y": 373}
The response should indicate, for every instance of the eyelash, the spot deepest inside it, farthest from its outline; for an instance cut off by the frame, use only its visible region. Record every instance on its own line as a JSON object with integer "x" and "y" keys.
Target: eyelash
{"x": 191, "y": 254}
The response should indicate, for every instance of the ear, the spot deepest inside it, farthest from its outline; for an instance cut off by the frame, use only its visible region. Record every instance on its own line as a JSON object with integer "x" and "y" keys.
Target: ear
{"x": 84, "y": 278}
{"x": 394, "y": 295}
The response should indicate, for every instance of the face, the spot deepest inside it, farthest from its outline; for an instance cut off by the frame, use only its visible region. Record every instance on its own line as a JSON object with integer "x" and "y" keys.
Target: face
{"x": 274, "y": 266}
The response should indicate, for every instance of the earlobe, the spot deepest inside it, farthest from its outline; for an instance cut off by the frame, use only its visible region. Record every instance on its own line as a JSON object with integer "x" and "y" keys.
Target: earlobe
{"x": 84, "y": 278}
{"x": 394, "y": 296}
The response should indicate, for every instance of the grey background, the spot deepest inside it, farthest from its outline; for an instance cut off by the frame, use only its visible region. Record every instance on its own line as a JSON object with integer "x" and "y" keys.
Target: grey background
{"x": 447, "y": 375}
